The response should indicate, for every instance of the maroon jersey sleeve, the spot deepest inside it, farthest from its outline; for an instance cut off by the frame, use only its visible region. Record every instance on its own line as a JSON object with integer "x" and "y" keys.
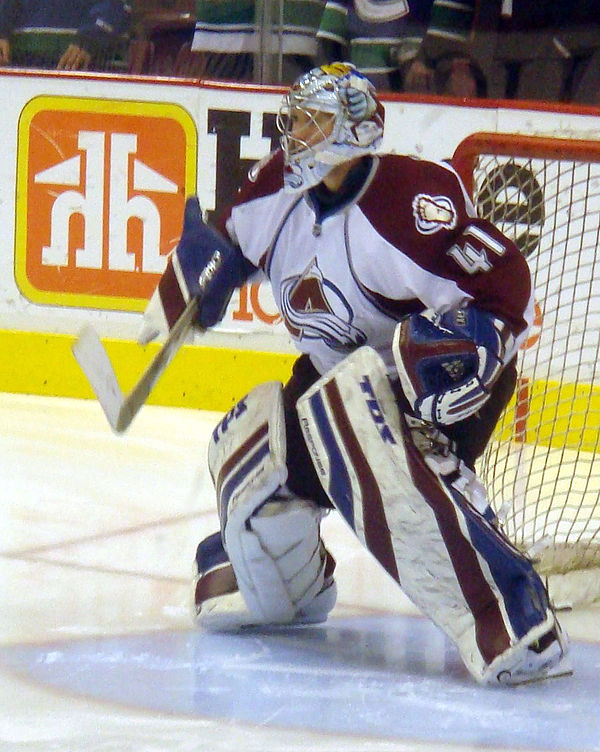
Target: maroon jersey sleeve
{"x": 422, "y": 209}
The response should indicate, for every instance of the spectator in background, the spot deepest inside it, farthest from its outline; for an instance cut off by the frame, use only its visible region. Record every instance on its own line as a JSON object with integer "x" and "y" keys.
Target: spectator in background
{"x": 548, "y": 50}
{"x": 61, "y": 34}
{"x": 241, "y": 47}
{"x": 584, "y": 82}
{"x": 444, "y": 62}
{"x": 378, "y": 38}
{"x": 162, "y": 32}
{"x": 399, "y": 45}
{"x": 226, "y": 30}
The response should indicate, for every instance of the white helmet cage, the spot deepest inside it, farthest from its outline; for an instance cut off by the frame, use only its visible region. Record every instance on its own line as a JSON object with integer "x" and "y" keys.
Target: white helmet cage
{"x": 312, "y": 151}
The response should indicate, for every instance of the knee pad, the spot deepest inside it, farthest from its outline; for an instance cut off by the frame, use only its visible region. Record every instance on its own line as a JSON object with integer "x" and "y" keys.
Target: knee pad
{"x": 271, "y": 538}
{"x": 282, "y": 563}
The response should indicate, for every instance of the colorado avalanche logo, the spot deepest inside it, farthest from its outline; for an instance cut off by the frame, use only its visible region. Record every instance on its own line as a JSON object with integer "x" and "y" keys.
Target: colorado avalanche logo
{"x": 313, "y": 308}
{"x": 433, "y": 213}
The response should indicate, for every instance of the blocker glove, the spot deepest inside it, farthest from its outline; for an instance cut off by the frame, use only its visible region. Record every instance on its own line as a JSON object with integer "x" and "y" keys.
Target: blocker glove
{"x": 204, "y": 265}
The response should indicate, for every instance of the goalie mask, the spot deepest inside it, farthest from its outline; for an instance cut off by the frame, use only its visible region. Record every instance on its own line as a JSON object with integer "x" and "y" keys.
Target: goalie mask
{"x": 330, "y": 115}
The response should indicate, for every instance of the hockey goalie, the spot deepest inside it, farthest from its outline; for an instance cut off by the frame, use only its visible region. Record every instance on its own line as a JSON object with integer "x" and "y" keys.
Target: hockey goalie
{"x": 407, "y": 311}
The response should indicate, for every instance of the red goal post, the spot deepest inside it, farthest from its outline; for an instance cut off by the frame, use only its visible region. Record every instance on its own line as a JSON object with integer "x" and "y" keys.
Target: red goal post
{"x": 542, "y": 468}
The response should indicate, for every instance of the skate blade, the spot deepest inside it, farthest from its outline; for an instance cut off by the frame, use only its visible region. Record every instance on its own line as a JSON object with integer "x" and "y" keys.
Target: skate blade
{"x": 561, "y": 671}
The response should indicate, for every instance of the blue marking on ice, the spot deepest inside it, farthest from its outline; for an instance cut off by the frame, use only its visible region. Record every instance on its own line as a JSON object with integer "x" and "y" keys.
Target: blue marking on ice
{"x": 387, "y": 676}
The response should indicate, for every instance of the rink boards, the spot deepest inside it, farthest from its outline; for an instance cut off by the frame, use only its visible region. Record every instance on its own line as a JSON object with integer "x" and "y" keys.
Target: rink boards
{"x": 102, "y": 166}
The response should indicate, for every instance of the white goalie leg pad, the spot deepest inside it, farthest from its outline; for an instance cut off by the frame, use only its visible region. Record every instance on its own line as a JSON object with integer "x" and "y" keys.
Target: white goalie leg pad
{"x": 304, "y": 570}
{"x": 281, "y": 566}
{"x": 540, "y": 654}
{"x": 413, "y": 516}
{"x": 272, "y": 539}
{"x": 246, "y": 454}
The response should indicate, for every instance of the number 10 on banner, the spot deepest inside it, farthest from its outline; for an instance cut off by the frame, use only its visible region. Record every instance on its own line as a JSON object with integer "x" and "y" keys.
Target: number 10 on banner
{"x": 250, "y": 305}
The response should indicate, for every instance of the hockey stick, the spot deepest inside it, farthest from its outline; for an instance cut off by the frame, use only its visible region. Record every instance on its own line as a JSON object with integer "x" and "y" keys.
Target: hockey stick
{"x": 93, "y": 359}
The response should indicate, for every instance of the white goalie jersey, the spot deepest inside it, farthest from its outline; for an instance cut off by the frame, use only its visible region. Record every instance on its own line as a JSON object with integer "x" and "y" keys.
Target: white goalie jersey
{"x": 410, "y": 240}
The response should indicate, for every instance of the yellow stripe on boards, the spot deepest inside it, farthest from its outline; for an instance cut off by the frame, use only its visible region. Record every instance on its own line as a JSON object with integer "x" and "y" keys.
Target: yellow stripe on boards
{"x": 559, "y": 416}
{"x": 206, "y": 378}
{"x": 210, "y": 378}
{"x": 565, "y": 415}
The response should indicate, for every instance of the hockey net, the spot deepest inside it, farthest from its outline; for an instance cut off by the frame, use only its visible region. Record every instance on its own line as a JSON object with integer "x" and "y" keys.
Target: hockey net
{"x": 542, "y": 467}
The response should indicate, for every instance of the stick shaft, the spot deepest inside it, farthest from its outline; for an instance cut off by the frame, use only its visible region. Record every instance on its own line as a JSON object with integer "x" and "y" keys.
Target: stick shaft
{"x": 140, "y": 392}
{"x": 95, "y": 363}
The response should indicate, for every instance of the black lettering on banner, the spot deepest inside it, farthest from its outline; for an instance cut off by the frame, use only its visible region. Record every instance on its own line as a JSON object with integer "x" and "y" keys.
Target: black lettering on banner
{"x": 229, "y": 127}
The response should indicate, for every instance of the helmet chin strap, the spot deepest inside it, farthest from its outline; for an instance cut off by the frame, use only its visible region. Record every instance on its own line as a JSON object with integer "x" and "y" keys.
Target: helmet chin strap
{"x": 300, "y": 175}
{"x": 309, "y": 168}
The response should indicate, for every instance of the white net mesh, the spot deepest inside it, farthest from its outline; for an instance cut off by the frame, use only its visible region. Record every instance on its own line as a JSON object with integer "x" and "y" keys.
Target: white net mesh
{"x": 542, "y": 468}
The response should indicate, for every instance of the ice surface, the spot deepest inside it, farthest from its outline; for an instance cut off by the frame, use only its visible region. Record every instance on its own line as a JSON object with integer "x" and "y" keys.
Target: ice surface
{"x": 97, "y": 648}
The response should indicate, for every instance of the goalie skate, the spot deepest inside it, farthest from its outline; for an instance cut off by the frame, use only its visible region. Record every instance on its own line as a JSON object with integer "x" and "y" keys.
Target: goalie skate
{"x": 540, "y": 655}
{"x": 219, "y": 605}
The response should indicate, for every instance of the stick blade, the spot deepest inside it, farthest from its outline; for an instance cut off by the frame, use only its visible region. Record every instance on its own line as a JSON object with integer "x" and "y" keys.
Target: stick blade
{"x": 93, "y": 359}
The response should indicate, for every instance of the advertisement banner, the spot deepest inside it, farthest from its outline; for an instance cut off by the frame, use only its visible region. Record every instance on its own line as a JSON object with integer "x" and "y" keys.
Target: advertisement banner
{"x": 100, "y": 192}
{"x": 102, "y": 168}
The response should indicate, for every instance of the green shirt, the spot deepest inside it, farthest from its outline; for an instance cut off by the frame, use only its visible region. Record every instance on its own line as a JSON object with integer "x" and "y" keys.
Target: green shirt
{"x": 232, "y": 26}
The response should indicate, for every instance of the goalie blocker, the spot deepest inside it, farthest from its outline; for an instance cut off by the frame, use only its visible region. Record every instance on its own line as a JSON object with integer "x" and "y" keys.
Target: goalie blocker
{"x": 192, "y": 273}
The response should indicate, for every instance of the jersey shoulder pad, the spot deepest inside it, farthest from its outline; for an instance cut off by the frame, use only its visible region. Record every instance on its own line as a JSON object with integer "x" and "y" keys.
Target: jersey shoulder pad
{"x": 414, "y": 203}
{"x": 423, "y": 174}
{"x": 263, "y": 178}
